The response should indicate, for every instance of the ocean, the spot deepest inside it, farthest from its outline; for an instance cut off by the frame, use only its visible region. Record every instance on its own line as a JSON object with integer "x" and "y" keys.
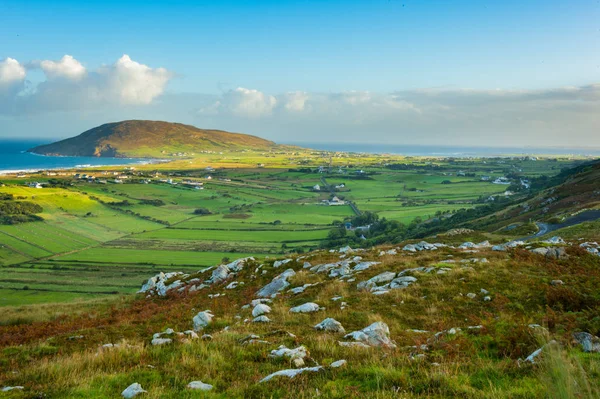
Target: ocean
{"x": 14, "y": 158}
{"x": 446, "y": 151}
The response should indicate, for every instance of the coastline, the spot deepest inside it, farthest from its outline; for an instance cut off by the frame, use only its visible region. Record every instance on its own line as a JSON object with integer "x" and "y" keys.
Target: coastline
{"x": 4, "y": 172}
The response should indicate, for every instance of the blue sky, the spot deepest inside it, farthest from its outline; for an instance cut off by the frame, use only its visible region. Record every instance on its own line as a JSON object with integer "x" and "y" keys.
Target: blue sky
{"x": 326, "y": 48}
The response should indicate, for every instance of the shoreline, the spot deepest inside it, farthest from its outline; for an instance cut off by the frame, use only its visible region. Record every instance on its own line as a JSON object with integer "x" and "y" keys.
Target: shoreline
{"x": 4, "y": 172}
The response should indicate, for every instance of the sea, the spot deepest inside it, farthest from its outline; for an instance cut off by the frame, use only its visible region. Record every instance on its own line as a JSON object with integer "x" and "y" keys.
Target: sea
{"x": 447, "y": 151}
{"x": 15, "y": 158}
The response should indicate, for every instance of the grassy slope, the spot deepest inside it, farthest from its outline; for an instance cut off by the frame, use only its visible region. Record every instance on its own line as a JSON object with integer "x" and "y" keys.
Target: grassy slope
{"x": 480, "y": 363}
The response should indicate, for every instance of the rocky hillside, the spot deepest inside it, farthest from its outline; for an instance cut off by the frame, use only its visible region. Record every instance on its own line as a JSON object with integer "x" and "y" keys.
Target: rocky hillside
{"x": 138, "y": 138}
{"x": 419, "y": 320}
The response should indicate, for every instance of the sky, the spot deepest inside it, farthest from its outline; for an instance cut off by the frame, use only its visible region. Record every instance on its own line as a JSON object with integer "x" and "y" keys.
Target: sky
{"x": 479, "y": 73}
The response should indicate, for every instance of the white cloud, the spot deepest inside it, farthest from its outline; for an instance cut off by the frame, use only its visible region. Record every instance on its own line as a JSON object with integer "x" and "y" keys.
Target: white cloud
{"x": 295, "y": 101}
{"x": 135, "y": 83}
{"x": 242, "y": 102}
{"x": 11, "y": 73}
{"x": 67, "y": 67}
{"x": 70, "y": 86}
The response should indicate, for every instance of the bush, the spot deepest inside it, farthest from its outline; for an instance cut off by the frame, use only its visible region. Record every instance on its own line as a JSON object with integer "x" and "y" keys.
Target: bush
{"x": 202, "y": 211}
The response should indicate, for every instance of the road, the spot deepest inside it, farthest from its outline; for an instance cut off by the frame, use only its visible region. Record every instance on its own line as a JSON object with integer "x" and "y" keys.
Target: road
{"x": 545, "y": 228}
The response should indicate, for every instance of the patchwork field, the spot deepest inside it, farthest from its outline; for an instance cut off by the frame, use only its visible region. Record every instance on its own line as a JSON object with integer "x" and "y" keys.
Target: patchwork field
{"x": 99, "y": 240}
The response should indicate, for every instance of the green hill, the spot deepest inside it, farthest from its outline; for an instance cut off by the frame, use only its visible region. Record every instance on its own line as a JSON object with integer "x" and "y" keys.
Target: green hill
{"x": 138, "y": 138}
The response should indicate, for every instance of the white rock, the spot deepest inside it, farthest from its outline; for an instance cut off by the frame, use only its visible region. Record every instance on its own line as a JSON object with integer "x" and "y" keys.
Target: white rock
{"x": 330, "y": 325}
{"x": 161, "y": 341}
{"x": 202, "y": 320}
{"x": 261, "y": 309}
{"x": 338, "y": 364}
{"x": 132, "y": 390}
{"x": 261, "y": 319}
{"x": 7, "y": 389}
{"x": 291, "y": 373}
{"x": 298, "y": 353}
{"x": 279, "y": 283}
{"x": 199, "y": 385}
{"x": 279, "y": 263}
{"x": 377, "y": 334}
{"x": 308, "y": 307}
{"x": 471, "y": 295}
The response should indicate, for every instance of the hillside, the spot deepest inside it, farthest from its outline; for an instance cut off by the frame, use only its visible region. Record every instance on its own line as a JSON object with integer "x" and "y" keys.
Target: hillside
{"x": 423, "y": 320}
{"x": 138, "y": 138}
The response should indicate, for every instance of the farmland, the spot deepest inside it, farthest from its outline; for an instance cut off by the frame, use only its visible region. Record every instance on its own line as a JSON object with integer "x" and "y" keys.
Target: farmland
{"x": 103, "y": 240}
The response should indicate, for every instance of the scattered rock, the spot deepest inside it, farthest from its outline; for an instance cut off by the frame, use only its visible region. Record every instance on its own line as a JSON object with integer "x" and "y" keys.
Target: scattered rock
{"x": 202, "y": 320}
{"x": 261, "y": 309}
{"x": 261, "y": 319}
{"x": 330, "y": 325}
{"x": 338, "y": 364}
{"x": 8, "y": 389}
{"x": 377, "y": 334}
{"x": 588, "y": 342}
{"x": 132, "y": 390}
{"x": 308, "y": 307}
{"x": 199, "y": 385}
{"x": 291, "y": 373}
{"x": 279, "y": 283}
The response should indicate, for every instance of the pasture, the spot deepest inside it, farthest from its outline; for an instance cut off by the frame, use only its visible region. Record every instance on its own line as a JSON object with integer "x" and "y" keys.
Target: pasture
{"x": 101, "y": 240}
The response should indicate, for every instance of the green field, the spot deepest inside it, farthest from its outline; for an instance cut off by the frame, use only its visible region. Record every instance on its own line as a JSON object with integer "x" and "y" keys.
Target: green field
{"x": 100, "y": 240}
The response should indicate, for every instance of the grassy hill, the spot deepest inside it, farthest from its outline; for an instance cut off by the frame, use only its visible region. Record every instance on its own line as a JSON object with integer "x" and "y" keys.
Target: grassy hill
{"x": 138, "y": 138}
{"x": 462, "y": 328}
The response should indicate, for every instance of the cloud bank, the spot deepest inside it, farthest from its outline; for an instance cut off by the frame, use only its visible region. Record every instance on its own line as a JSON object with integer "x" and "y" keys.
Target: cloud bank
{"x": 126, "y": 89}
{"x": 68, "y": 85}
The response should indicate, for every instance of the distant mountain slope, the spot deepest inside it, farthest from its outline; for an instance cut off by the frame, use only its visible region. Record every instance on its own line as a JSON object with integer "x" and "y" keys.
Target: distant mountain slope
{"x": 139, "y": 138}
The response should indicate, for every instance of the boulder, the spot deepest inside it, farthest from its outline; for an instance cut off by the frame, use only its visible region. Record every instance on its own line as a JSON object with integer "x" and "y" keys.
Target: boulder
{"x": 261, "y": 309}
{"x": 330, "y": 325}
{"x": 338, "y": 364}
{"x": 132, "y": 391}
{"x": 588, "y": 342}
{"x": 279, "y": 263}
{"x": 199, "y": 385}
{"x": 377, "y": 334}
{"x": 202, "y": 319}
{"x": 402, "y": 282}
{"x": 279, "y": 283}
{"x": 261, "y": 319}
{"x": 557, "y": 253}
{"x": 308, "y": 307}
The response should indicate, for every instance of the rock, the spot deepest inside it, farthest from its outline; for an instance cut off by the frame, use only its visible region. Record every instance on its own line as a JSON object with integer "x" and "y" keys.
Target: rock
{"x": 402, "y": 282}
{"x": 261, "y": 309}
{"x": 308, "y": 307}
{"x": 556, "y": 282}
{"x": 338, "y": 364}
{"x": 291, "y": 373}
{"x": 353, "y": 344}
{"x": 484, "y": 291}
{"x": 467, "y": 245}
{"x": 531, "y": 358}
{"x": 330, "y": 325}
{"x": 555, "y": 240}
{"x": 261, "y": 319}
{"x": 219, "y": 274}
{"x": 199, "y": 385}
{"x": 588, "y": 342}
{"x": 279, "y": 283}
{"x": 377, "y": 334}
{"x": 132, "y": 390}
{"x": 345, "y": 250}
{"x": 487, "y": 298}
{"x": 161, "y": 341}
{"x": 364, "y": 266}
{"x": 202, "y": 319}
{"x": 233, "y": 285}
{"x": 298, "y": 353}
{"x": 557, "y": 253}
{"x": 380, "y": 278}
{"x": 8, "y": 389}
{"x": 540, "y": 251}
{"x": 471, "y": 295}
{"x": 410, "y": 248}
{"x": 279, "y": 263}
